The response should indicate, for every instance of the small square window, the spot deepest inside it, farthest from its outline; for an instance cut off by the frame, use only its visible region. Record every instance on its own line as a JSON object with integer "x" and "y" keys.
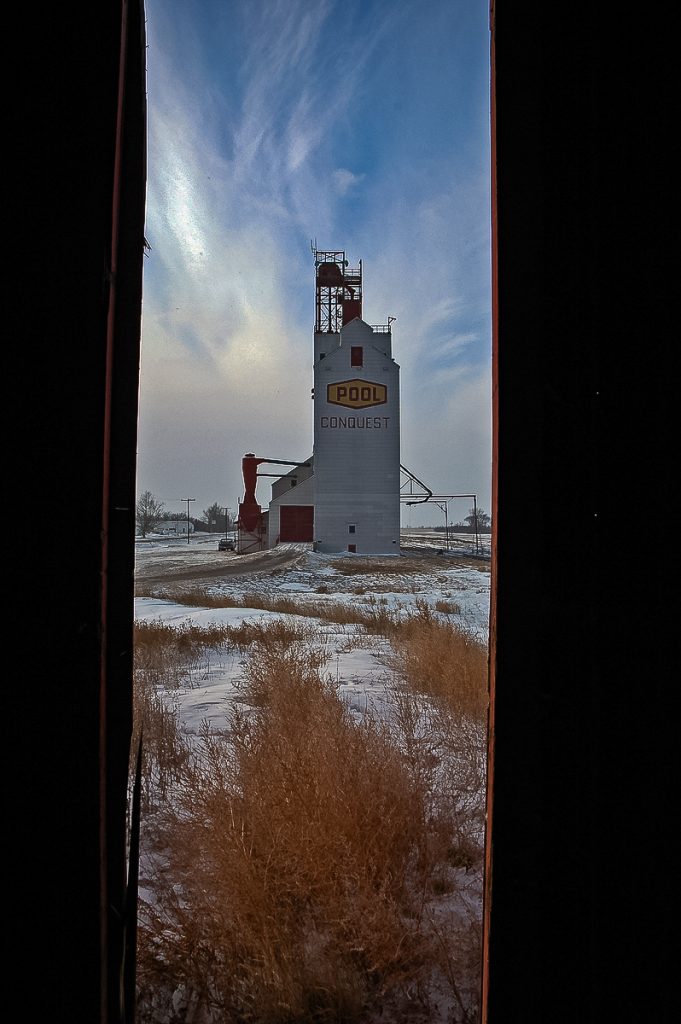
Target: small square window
{"x": 352, "y": 547}
{"x": 352, "y": 528}
{"x": 356, "y": 355}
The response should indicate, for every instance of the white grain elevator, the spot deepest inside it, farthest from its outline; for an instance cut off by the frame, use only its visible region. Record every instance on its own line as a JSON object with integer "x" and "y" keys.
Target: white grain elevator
{"x": 356, "y": 461}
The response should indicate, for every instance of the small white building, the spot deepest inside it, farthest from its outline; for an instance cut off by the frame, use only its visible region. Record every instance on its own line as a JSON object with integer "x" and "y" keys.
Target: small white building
{"x": 175, "y": 527}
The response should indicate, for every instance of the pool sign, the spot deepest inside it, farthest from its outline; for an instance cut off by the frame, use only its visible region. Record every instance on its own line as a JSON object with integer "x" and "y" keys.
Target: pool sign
{"x": 356, "y": 394}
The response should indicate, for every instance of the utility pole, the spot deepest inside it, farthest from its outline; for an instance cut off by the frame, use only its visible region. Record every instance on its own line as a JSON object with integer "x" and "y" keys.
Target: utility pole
{"x": 225, "y": 509}
{"x": 188, "y": 500}
{"x": 475, "y": 520}
{"x": 443, "y": 505}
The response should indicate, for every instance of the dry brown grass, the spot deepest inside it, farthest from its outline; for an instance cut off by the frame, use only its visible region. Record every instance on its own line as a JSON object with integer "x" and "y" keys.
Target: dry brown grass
{"x": 445, "y": 661}
{"x": 164, "y": 658}
{"x": 169, "y": 651}
{"x": 300, "y": 855}
{"x": 373, "y": 614}
{"x": 448, "y": 664}
{"x": 376, "y": 618}
{"x": 369, "y": 566}
{"x": 164, "y": 748}
{"x": 298, "y": 867}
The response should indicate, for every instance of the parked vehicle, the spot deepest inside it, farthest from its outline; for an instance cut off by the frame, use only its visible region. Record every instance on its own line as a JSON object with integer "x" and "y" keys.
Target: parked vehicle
{"x": 226, "y": 545}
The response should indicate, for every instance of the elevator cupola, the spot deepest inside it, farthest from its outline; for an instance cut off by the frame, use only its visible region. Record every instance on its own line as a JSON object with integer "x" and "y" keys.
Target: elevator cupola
{"x": 338, "y": 291}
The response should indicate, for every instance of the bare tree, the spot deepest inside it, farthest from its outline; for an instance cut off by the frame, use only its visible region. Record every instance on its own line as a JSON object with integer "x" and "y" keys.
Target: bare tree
{"x": 148, "y": 513}
{"x": 483, "y": 519}
{"x": 215, "y": 516}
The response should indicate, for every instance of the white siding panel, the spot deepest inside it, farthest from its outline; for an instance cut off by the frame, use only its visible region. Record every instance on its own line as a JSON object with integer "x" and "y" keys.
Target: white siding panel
{"x": 357, "y": 450}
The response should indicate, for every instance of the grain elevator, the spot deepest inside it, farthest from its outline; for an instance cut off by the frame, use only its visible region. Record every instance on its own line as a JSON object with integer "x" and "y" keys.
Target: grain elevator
{"x": 346, "y": 496}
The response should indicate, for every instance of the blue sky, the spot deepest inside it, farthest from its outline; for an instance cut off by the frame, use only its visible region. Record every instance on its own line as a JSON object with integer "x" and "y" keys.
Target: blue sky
{"x": 364, "y": 126}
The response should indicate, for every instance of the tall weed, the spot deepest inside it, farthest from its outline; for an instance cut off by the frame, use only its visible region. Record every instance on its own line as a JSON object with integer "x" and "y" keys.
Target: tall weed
{"x": 295, "y": 866}
{"x": 444, "y": 660}
{"x": 302, "y": 867}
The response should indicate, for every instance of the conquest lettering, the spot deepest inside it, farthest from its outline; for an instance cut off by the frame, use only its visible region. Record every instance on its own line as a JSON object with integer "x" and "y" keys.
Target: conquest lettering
{"x": 355, "y": 422}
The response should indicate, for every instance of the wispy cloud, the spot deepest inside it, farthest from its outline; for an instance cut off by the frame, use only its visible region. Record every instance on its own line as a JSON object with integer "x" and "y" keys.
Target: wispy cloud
{"x": 344, "y": 180}
{"x": 242, "y": 174}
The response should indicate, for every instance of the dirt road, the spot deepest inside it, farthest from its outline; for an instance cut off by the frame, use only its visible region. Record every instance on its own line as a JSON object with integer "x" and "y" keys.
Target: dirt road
{"x": 204, "y": 564}
{"x": 173, "y": 567}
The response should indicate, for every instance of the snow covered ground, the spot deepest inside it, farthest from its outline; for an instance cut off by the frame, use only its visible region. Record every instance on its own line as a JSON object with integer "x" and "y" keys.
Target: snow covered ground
{"x": 355, "y": 661}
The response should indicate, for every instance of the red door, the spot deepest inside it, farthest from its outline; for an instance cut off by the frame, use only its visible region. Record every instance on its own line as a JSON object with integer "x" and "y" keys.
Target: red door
{"x": 296, "y": 522}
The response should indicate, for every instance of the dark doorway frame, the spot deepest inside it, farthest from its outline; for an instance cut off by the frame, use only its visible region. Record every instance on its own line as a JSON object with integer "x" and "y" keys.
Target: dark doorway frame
{"x": 578, "y": 916}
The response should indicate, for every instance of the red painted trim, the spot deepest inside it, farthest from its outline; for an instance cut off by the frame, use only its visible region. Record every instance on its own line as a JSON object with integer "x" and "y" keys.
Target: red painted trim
{"x": 488, "y": 866}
